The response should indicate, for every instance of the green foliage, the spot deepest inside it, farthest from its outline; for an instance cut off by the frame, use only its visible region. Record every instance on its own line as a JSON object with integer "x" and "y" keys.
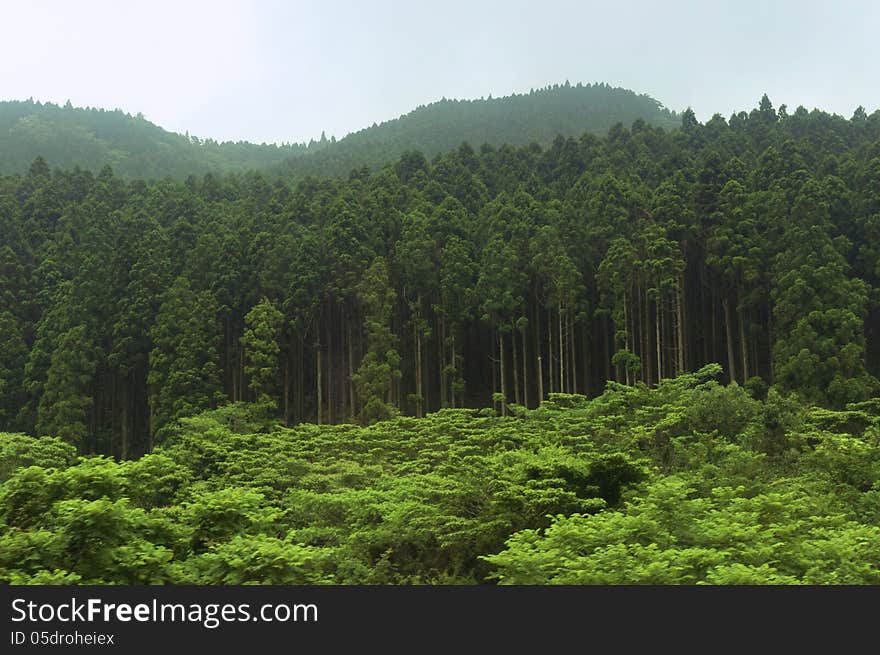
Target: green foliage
{"x": 260, "y": 342}
{"x": 379, "y": 367}
{"x": 90, "y": 138}
{"x": 672, "y": 485}
{"x": 184, "y": 375}
{"x": 520, "y": 119}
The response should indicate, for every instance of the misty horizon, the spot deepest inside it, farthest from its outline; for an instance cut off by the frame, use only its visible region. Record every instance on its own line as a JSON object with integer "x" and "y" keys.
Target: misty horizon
{"x": 276, "y": 72}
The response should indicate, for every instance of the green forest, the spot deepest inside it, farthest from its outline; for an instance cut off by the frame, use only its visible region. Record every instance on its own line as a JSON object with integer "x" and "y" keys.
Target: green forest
{"x": 518, "y": 120}
{"x": 91, "y": 138}
{"x": 135, "y": 148}
{"x": 649, "y": 355}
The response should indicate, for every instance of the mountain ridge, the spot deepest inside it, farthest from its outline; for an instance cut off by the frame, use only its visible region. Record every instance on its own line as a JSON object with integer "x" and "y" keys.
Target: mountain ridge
{"x": 68, "y": 136}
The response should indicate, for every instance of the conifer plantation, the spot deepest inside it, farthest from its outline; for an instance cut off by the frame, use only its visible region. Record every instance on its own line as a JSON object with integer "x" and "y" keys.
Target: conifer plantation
{"x": 644, "y": 355}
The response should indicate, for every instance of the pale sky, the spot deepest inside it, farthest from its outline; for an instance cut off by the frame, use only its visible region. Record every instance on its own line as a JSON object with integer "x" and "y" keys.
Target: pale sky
{"x": 277, "y": 71}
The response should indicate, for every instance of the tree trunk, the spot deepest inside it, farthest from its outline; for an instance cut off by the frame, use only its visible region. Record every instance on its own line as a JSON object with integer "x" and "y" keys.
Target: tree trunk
{"x": 585, "y": 344}
{"x": 550, "y": 354}
{"x": 516, "y": 397}
{"x": 286, "y": 393}
{"x": 728, "y": 328}
{"x": 501, "y": 372}
{"x": 770, "y": 340}
{"x": 679, "y": 322}
{"x": 525, "y": 376}
{"x": 444, "y": 382}
{"x": 540, "y": 382}
{"x": 608, "y": 370}
{"x": 626, "y": 336}
{"x": 418, "y": 345}
{"x": 454, "y": 369}
{"x": 123, "y": 450}
{"x": 561, "y": 348}
{"x": 644, "y": 315}
{"x": 494, "y": 360}
{"x": 318, "y": 376}
{"x": 352, "y": 407}
{"x": 658, "y": 319}
{"x": 744, "y": 346}
{"x": 330, "y": 389}
{"x": 572, "y": 356}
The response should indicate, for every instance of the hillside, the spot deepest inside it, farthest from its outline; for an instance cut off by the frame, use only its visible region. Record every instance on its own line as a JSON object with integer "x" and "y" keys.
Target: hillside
{"x": 520, "y": 119}
{"x": 133, "y": 146}
{"x": 68, "y": 136}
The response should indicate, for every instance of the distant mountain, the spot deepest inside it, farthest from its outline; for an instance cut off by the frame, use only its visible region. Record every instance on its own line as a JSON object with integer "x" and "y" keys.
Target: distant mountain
{"x": 538, "y": 116}
{"x": 133, "y": 146}
{"x": 67, "y": 136}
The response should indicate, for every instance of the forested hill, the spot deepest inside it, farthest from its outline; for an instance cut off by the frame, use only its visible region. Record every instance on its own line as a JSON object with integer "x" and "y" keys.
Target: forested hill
{"x": 134, "y": 147}
{"x": 538, "y": 116}
{"x": 484, "y": 277}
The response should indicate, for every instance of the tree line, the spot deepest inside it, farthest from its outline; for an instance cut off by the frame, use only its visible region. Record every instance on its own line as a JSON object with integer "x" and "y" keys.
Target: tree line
{"x": 518, "y": 119}
{"x": 494, "y": 276}
{"x": 71, "y": 136}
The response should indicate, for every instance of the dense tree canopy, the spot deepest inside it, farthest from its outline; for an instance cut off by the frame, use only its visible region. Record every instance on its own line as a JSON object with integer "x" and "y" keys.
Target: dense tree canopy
{"x": 482, "y": 278}
{"x": 646, "y": 357}
{"x": 519, "y": 119}
{"x": 91, "y": 138}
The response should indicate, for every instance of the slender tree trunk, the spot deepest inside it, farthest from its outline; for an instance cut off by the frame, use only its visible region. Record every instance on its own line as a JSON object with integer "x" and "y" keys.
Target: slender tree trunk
{"x": 320, "y": 390}
{"x": 606, "y": 341}
{"x": 572, "y": 370}
{"x": 418, "y": 347}
{"x": 561, "y": 348}
{"x": 241, "y": 379}
{"x": 152, "y": 423}
{"x": 770, "y": 340}
{"x": 453, "y": 362}
{"x": 494, "y": 360}
{"x": 540, "y": 382}
{"x": 286, "y": 393}
{"x": 301, "y": 392}
{"x": 679, "y": 322}
{"x": 501, "y": 372}
{"x": 525, "y": 375}
{"x": 444, "y": 382}
{"x": 658, "y": 319}
{"x": 644, "y": 315}
{"x": 330, "y": 377}
{"x": 123, "y": 451}
{"x": 351, "y": 398}
{"x": 714, "y": 317}
{"x": 585, "y": 344}
{"x": 707, "y": 339}
{"x": 550, "y": 354}
{"x": 650, "y": 360}
{"x": 626, "y": 336}
{"x": 728, "y": 328}
{"x": 538, "y": 341}
{"x": 744, "y": 346}
{"x": 515, "y": 367}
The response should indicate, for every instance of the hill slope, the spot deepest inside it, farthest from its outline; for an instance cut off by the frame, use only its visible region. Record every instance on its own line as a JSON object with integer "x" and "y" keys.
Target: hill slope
{"x": 91, "y": 138}
{"x": 519, "y": 119}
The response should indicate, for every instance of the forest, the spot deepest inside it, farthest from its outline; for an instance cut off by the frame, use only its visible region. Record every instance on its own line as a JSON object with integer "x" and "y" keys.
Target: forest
{"x": 68, "y": 136}
{"x": 91, "y": 138}
{"x": 646, "y": 356}
{"x": 521, "y": 119}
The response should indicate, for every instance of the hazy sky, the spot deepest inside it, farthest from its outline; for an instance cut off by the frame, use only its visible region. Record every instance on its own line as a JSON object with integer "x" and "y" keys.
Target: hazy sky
{"x": 271, "y": 70}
